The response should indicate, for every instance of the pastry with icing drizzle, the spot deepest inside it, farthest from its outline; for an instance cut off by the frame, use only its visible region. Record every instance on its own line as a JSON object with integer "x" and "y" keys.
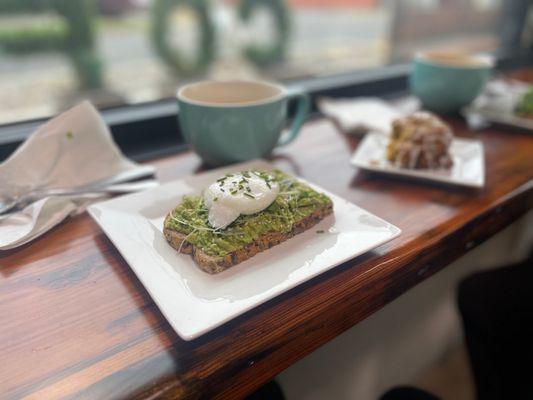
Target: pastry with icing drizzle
{"x": 420, "y": 140}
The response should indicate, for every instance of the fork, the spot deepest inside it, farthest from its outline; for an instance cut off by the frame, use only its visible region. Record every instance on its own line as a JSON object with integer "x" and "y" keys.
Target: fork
{"x": 9, "y": 203}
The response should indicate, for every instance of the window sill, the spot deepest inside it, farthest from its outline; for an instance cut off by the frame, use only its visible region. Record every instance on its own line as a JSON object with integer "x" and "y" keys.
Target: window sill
{"x": 150, "y": 130}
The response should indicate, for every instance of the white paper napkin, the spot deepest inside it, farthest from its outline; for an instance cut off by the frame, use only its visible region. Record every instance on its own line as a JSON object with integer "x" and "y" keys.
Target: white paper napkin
{"x": 360, "y": 115}
{"x": 500, "y": 96}
{"x": 74, "y": 149}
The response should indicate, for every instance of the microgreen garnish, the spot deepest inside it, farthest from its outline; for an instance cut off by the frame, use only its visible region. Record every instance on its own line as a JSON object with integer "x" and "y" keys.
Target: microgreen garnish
{"x": 293, "y": 202}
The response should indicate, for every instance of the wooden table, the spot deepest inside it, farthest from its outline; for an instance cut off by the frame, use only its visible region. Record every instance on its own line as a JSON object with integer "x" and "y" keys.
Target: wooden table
{"x": 76, "y": 323}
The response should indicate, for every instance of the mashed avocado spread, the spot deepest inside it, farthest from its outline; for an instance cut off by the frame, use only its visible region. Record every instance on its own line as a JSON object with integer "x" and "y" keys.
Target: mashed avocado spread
{"x": 294, "y": 202}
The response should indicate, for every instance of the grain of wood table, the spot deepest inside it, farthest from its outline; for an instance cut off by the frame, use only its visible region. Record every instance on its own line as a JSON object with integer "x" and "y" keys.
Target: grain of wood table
{"x": 76, "y": 323}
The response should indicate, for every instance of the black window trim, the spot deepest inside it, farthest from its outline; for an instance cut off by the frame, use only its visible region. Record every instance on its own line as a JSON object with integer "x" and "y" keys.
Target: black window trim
{"x": 150, "y": 130}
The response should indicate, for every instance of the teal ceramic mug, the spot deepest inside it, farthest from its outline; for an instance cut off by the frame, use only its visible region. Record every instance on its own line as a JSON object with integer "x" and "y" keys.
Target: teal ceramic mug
{"x": 226, "y": 122}
{"x": 446, "y": 82}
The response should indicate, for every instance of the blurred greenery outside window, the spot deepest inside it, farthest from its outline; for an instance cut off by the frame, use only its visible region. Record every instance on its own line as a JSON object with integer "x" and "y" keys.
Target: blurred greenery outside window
{"x": 53, "y": 53}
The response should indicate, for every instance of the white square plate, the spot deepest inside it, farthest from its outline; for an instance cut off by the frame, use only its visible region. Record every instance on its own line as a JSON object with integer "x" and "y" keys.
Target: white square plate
{"x": 468, "y": 162}
{"x": 195, "y": 302}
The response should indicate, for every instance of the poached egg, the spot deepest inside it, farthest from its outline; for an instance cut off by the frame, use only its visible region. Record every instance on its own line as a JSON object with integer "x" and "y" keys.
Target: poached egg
{"x": 239, "y": 193}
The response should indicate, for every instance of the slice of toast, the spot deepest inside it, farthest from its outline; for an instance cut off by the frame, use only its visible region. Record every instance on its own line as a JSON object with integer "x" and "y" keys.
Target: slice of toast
{"x": 215, "y": 264}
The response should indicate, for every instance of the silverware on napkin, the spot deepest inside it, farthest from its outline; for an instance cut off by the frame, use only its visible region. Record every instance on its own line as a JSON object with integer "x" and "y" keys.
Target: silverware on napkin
{"x": 66, "y": 163}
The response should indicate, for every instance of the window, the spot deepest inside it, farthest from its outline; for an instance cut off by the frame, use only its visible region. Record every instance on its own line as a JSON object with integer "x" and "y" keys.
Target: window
{"x": 53, "y": 53}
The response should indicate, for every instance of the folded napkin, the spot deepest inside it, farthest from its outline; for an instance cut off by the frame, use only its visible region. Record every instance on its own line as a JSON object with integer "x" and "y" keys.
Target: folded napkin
{"x": 364, "y": 114}
{"x": 500, "y": 96}
{"x": 72, "y": 150}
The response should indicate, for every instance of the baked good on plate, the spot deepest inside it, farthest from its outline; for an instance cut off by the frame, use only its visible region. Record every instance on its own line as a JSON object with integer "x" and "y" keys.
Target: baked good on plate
{"x": 242, "y": 214}
{"x": 420, "y": 140}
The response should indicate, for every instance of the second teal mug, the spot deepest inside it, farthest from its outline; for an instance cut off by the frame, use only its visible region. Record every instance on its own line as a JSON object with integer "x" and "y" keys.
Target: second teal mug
{"x": 233, "y": 121}
{"x": 446, "y": 82}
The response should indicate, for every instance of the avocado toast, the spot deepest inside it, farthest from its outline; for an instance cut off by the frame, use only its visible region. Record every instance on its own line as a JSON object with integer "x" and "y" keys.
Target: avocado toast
{"x": 295, "y": 208}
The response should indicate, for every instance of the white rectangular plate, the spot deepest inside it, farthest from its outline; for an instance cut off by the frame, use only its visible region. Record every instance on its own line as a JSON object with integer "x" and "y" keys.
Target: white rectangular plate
{"x": 195, "y": 302}
{"x": 468, "y": 162}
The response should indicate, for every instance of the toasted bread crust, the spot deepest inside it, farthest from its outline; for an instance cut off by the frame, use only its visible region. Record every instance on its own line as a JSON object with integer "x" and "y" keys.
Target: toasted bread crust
{"x": 214, "y": 264}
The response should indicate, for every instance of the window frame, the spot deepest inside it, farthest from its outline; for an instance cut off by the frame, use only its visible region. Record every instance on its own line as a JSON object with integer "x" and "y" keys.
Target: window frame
{"x": 131, "y": 124}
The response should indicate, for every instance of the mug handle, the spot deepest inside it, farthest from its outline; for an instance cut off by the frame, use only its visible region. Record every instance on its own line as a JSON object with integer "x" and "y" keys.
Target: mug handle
{"x": 302, "y": 109}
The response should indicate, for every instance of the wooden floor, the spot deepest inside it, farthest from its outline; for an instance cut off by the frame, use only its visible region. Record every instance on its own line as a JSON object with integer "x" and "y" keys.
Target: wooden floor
{"x": 450, "y": 378}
